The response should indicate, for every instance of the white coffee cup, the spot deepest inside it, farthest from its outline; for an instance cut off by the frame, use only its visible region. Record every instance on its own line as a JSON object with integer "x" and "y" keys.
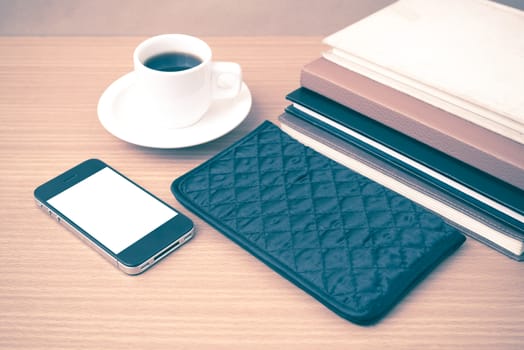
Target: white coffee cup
{"x": 179, "y": 98}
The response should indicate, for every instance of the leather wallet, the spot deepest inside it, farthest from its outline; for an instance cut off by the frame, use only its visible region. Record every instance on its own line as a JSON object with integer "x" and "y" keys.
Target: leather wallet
{"x": 354, "y": 245}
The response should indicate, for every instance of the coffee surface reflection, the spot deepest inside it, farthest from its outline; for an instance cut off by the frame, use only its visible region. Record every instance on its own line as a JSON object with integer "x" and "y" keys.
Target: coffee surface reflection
{"x": 172, "y": 61}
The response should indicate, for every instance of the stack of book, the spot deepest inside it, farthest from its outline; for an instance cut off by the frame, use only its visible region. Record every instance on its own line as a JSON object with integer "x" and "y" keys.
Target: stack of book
{"x": 425, "y": 97}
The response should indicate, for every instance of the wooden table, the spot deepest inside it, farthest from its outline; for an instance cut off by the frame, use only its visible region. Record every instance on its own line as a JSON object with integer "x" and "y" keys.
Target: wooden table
{"x": 57, "y": 293}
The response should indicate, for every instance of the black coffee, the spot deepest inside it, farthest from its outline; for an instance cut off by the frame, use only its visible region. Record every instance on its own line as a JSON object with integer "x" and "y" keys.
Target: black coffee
{"x": 172, "y": 61}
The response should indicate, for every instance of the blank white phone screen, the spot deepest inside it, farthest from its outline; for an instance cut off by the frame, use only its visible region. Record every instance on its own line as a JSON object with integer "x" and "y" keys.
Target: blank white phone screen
{"x": 112, "y": 209}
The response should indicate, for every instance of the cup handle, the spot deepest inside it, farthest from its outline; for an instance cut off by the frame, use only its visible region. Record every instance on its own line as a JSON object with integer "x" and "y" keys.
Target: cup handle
{"x": 226, "y": 79}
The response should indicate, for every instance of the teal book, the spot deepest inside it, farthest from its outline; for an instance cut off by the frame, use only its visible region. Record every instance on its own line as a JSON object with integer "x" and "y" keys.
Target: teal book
{"x": 498, "y": 202}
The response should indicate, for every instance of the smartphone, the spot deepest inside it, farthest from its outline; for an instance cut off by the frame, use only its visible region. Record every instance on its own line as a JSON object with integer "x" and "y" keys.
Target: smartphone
{"x": 126, "y": 224}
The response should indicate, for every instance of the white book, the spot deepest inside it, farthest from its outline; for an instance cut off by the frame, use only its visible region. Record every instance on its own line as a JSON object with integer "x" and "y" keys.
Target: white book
{"x": 477, "y": 226}
{"x": 465, "y": 57}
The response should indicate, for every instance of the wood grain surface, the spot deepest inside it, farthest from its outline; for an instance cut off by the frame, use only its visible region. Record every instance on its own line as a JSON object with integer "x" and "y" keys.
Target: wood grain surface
{"x": 56, "y": 293}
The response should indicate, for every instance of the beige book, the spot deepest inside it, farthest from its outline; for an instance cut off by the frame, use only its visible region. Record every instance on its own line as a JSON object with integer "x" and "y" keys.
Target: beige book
{"x": 479, "y": 147}
{"x": 465, "y": 57}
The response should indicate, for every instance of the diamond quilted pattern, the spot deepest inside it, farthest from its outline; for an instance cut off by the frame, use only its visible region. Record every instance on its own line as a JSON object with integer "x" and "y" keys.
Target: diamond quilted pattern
{"x": 351, "y": 243}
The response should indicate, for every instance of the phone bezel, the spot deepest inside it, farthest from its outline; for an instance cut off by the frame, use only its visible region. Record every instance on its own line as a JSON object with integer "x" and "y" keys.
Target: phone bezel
{"x": 140, "y": 255}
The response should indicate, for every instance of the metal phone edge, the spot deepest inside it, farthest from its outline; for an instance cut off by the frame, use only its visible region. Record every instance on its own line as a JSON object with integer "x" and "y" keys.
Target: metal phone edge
{"x": 112, "y": 260}
{"x": 136, "y": 270}
{"x": 130, "y": 270}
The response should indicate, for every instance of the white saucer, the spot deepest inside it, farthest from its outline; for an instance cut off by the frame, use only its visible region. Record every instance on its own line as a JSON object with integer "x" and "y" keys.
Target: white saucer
{"x": 222, "y": 117}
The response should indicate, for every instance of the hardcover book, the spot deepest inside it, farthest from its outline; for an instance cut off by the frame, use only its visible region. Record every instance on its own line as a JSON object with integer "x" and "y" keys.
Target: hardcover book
{"x": 341, "y": 120}
{"x": 470, "y": 143}
{"x": 348, "y": 151}
{"x": 496, "y": 199}
{"x": 464, "y": 57}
